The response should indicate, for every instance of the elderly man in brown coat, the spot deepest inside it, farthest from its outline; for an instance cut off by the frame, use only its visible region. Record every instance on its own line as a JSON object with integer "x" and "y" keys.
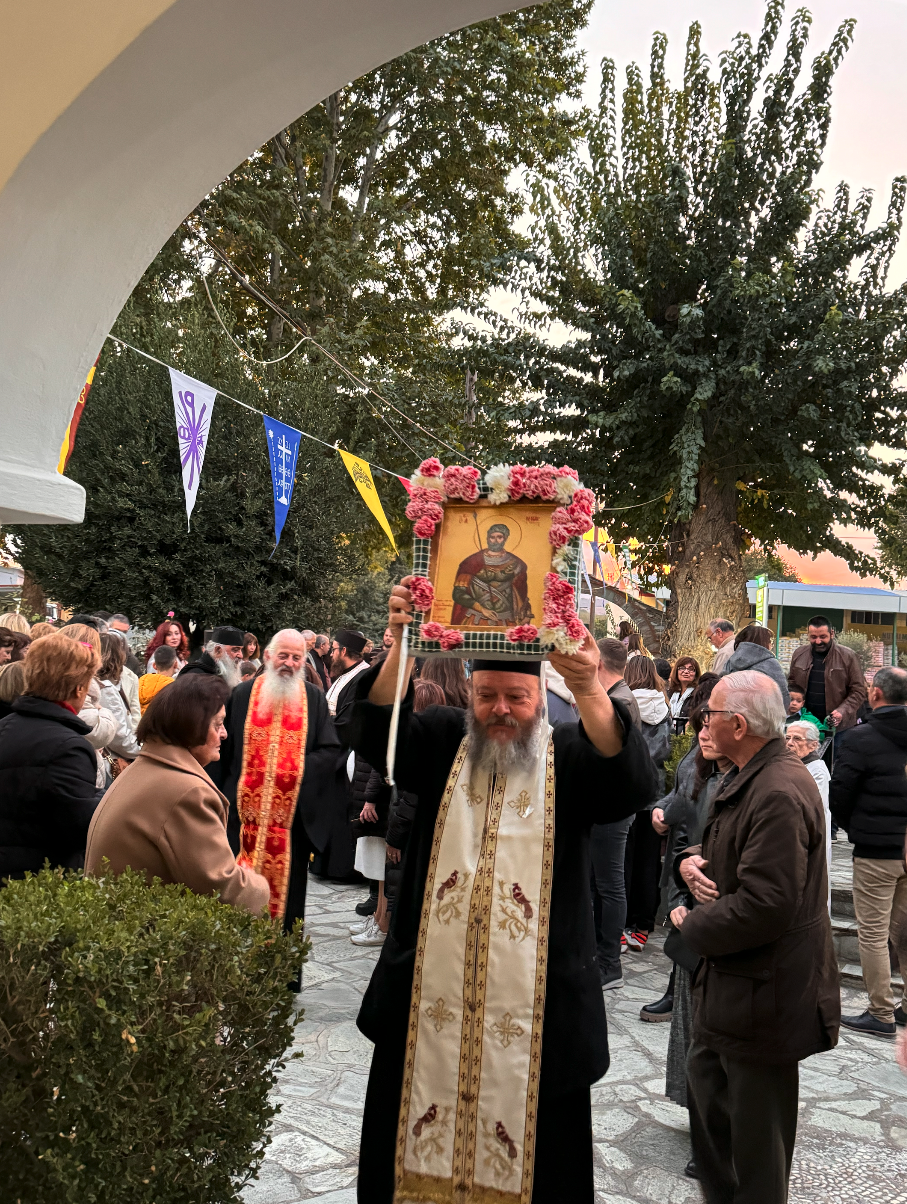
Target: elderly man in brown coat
{"x": 766, "y": 991}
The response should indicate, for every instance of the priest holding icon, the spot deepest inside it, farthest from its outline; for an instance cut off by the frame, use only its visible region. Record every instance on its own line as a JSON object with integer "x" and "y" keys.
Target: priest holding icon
{"x": 486, "y": 1006}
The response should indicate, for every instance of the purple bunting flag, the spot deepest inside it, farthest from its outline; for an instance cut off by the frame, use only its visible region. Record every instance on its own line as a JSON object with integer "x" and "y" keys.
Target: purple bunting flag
{"x": 193, "y": 403}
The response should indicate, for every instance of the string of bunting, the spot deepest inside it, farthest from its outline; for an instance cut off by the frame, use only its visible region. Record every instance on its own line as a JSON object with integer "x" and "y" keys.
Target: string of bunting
{"x": 193, "y": 404}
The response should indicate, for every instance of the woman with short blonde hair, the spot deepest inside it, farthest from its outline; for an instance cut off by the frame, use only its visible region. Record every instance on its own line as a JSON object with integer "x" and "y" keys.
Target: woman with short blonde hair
{"x": 48, "y": 789}
{"x": 15, "y": 622}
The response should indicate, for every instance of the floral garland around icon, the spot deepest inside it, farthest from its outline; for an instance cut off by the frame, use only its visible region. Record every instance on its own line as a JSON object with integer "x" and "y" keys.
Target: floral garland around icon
{"x": 433, "y": 485}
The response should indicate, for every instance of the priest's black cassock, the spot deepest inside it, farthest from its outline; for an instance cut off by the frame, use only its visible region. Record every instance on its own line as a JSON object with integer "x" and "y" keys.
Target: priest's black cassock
{"x": 317, "y": 794}
{"x": 588, "y": 789}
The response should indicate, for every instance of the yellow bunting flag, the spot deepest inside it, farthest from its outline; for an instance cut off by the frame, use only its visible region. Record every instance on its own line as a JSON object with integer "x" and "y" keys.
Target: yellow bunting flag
{"x": 361, "y": 473}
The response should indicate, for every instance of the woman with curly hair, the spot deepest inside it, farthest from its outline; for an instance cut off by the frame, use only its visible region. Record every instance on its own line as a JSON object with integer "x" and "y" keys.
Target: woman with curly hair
{"x": 170, "y": 634}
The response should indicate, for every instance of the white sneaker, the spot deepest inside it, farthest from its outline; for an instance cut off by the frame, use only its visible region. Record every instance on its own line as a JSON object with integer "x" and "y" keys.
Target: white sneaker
{"x": 371, "y": 936}
{"x": 360, "y": 926}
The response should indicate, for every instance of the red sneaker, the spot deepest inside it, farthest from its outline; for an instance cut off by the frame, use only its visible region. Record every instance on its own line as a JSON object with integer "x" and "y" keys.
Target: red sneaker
{"x": 623, "y": 942}
{"x": 637, "y": 941}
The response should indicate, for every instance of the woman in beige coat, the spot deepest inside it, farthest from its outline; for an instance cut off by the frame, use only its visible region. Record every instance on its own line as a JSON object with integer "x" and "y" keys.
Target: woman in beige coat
{"x": 163, "y": 815}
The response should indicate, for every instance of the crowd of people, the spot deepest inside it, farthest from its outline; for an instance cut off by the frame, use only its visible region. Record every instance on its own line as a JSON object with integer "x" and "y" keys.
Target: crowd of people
{"x": 236, "y": 769}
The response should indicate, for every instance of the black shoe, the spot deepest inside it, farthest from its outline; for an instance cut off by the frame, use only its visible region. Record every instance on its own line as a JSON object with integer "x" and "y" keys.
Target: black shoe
{"x": 900, "y": 1017}
{"x": 368, "y": 906}
{"x": 657, "y": 1013}
{"x": 611, "y": 982}
{"x": 869, "y": 1025}
{"x": 691, "y": 1170}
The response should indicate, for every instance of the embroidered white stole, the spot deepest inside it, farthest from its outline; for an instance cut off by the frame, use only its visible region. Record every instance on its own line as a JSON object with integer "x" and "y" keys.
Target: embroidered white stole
{"x": 468, "y": 1110}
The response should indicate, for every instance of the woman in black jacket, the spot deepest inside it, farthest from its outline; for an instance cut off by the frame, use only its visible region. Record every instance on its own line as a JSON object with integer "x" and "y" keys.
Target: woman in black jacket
{"x": 47, "y": 767}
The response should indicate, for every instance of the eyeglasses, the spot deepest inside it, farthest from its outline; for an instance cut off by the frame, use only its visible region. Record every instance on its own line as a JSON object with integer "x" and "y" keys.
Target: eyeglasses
{"x": 706, "y": 714}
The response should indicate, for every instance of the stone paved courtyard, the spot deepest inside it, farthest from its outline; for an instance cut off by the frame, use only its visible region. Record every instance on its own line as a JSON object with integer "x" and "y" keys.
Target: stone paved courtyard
{"x": 852, "y": 1145}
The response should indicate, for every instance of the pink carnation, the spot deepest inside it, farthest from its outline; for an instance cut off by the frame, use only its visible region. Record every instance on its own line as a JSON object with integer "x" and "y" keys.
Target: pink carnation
{"x": 518, "y": 482}
{"x": 423, "y": 593}
{"x": 575, "y": 628}
{"x": 450, "y": 639}
{"x": 462, "y": 481}
{"x": 430, "y": 467}
{"x": 524, "y": 634}
{"x": 547, "y": 482}
{"x": 583, "y": 500}
{"x": 557, "y": 590}
{"x": 564, "y": 471}
{"x": 431, "y": 631}
{"x": 558, "y": 536}
{"x": 424, "y": 528}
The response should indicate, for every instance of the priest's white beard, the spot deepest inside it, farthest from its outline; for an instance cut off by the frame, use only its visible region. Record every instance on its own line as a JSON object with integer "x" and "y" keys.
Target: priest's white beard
{"x": 490, "y": 756}
{"x": 277, "y": 688}
{"x": 228, "y": 668}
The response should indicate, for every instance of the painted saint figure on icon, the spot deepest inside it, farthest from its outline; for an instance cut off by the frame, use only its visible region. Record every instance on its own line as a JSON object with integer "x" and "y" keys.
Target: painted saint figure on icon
{"x": 490, "y": 588}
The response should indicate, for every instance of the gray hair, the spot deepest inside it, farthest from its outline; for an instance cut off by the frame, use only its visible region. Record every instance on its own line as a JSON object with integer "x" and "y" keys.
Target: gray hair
{"x": 757, "y": 698}
{"x": 892, "y": 681}
{"x": 720, "y": 625}
{"x": 308, "y": 634}
{"x": 807, "y": 730}
{"x": 283, "y": 631}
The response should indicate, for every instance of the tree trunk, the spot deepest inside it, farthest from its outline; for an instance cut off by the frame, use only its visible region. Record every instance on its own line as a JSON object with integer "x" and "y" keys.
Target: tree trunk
{"x": 708, "y": 580}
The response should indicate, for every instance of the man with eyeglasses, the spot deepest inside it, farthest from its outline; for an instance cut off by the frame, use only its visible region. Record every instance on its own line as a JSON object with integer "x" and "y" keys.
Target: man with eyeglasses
{"x": 767, "y": 986}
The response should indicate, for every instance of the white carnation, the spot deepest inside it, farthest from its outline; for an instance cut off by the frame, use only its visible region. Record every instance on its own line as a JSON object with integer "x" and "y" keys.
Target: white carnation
{"x": 566, "y": 487}
{"x": 428, "y": 483}
{"x": 561, "y": 561}
{"x": 498, "y": 481}
{"x": 559, "y": 638}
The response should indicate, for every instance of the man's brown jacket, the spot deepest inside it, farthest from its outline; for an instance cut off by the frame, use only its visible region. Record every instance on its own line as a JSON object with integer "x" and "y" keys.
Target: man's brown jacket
{"x": 767, "y": 989}
{"x": 845, "y": 685}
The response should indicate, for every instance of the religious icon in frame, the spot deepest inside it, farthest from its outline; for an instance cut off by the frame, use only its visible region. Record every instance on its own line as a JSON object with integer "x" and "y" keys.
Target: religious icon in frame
{"x": 496, "y": 561}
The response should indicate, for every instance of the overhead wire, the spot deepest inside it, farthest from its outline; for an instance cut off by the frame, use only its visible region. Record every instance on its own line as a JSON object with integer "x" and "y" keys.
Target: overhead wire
{"x": 263, "y": 297}
{"x": 245, "y": 405}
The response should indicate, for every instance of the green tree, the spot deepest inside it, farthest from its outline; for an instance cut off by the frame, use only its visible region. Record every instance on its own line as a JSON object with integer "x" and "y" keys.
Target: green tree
{"x": 368, "y": 220}
{"x": 734, "y": 351}
{"x": 384, "y": 207}
{"x": 766, "y": 560}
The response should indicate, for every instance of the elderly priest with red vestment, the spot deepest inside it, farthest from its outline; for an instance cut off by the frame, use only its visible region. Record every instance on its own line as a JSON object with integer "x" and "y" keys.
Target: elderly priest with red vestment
{"x": 486, "y": 1006}
{"x": 277, "y": 770}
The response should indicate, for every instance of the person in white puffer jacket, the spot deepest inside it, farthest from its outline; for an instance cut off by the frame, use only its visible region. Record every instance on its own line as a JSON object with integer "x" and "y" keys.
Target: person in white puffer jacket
{"x": 123, "y": 743}
{"x": 103, "y": 727}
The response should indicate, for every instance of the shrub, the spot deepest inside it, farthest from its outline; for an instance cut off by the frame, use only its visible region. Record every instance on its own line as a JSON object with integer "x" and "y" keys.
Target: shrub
{"x": 141, "y": 1030}
{"x": 860, "y": 643}
{"x": 681, "y": 743}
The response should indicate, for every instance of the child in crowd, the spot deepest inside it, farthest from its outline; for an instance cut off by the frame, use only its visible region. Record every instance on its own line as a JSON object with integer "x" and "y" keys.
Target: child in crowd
{"x": 165, "y": 665}
{"x": 797, "y": 712}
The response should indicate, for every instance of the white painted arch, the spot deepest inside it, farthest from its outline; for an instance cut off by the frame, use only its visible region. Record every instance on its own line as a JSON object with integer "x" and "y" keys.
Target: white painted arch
{"x": 118, "y": 116}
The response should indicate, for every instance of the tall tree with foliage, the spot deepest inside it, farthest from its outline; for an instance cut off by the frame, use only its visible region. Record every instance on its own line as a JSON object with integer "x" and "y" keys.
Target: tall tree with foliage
{"x": 734, "y": 351}
{"x": 368, "y": 221}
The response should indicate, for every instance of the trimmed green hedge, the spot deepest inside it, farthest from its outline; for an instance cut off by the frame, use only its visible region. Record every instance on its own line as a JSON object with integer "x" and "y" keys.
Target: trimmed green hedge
{"x": 141, "y": 1030}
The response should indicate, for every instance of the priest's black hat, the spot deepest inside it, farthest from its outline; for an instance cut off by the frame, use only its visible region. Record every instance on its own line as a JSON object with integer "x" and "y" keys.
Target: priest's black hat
{"x": 532, "y": 668}
{"x": 352, "y": 641}
{"x": 228, "y": 637}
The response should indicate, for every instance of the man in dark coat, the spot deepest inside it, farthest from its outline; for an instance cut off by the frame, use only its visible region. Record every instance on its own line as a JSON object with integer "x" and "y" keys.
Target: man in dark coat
{"x": 828, "y": 675}
{"x": 346, "y": 665}
{"x": 222, "y": 654}
{"x": 283, "y": 682}
{"x": 597, "y": 771}
{"x": 766, "y": 991}
{"x": 868, "y": 798}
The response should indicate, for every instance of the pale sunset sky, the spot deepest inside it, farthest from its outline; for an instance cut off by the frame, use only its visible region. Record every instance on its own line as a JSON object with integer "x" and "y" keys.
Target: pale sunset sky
{"x": 868, "y": 141}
